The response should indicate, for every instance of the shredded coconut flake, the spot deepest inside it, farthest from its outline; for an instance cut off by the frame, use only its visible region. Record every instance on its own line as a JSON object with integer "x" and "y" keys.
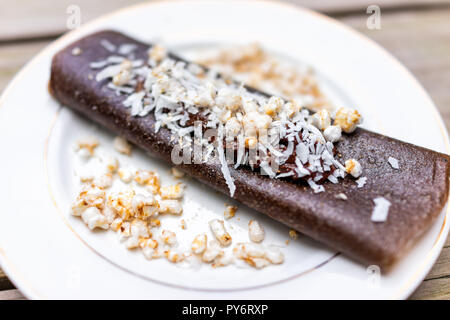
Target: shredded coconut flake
{"x": 381, "y": 210}
{"x": 108, "y": 45}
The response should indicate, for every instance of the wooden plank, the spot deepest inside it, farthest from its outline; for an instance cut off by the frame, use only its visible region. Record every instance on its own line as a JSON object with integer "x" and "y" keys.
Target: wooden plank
{"x": 5, "y": 284}
{"x": 32, "y": 19}
{"x": 11, "y": 295}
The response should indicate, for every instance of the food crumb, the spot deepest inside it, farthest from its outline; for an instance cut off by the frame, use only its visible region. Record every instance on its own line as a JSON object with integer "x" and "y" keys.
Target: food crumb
{"x": 122, "y": 146}
{"x": 126, "y": 175}
{"x": 88, "y": 145}
{"x": 393, "y": 162}
{"x": 341, "y": 196}
{"x": 293, "y": 234}
{"x": 353, "y": 167}
{"x": 218, "y": 229}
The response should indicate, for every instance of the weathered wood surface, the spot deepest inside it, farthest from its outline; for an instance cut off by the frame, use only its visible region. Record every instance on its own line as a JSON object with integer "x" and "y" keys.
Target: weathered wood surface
{"x": 24, "y": 19}
{"x": 416, "y": 32}
{"x": 421, "y": 41}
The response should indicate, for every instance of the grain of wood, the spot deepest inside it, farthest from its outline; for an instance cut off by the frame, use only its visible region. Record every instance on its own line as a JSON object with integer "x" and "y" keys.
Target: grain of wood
{"x": 436, "y": 289}
{"x": 11, "y": 295}
{"x": 442, "y": 266}
{"x": 13, "y": 57}
{"x": 414, "y": 37}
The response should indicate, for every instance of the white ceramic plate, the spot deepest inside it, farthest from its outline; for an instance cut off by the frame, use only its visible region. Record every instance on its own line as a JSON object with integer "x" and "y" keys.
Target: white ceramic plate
{"x": 49, "y": 254}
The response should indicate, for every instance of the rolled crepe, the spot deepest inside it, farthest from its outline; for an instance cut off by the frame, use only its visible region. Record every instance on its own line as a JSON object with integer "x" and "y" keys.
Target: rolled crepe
{"x": 417, "y": 191}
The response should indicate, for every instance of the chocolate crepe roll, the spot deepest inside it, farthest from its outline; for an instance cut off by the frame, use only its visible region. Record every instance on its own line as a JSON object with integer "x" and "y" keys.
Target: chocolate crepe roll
{"x": 417, "y": 191}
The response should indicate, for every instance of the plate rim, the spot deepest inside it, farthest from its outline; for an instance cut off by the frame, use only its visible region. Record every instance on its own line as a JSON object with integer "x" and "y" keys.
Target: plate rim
{"x": 409, "y": 285}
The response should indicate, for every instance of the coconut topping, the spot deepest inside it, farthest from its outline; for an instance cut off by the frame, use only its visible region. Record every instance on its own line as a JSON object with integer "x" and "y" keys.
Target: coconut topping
{"x": 361, "y": 182}
{"x": 393, "y": 162}
{"x": 277, "y": 137}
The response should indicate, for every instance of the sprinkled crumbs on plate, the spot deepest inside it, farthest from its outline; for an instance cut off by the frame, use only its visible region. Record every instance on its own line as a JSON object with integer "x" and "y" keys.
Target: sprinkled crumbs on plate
{"x": 293, "y": 234}
{"x": 76, "y": 51}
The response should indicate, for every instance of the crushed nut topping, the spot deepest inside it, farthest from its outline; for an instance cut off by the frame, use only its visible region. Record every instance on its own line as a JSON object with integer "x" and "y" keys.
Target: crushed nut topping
{"x": 256, "y": 231}
{"x": 177, "y": 173}
{"x": 259, "y": 69}
{"x": 76, "y": 51}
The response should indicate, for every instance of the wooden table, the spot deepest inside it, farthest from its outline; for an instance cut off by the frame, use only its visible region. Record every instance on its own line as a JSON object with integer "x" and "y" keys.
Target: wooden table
{"x": 417, "y": 32}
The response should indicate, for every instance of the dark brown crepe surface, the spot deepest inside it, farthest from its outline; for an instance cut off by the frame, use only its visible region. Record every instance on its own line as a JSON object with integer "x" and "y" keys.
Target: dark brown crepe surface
{"x": 417, "y": 191}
